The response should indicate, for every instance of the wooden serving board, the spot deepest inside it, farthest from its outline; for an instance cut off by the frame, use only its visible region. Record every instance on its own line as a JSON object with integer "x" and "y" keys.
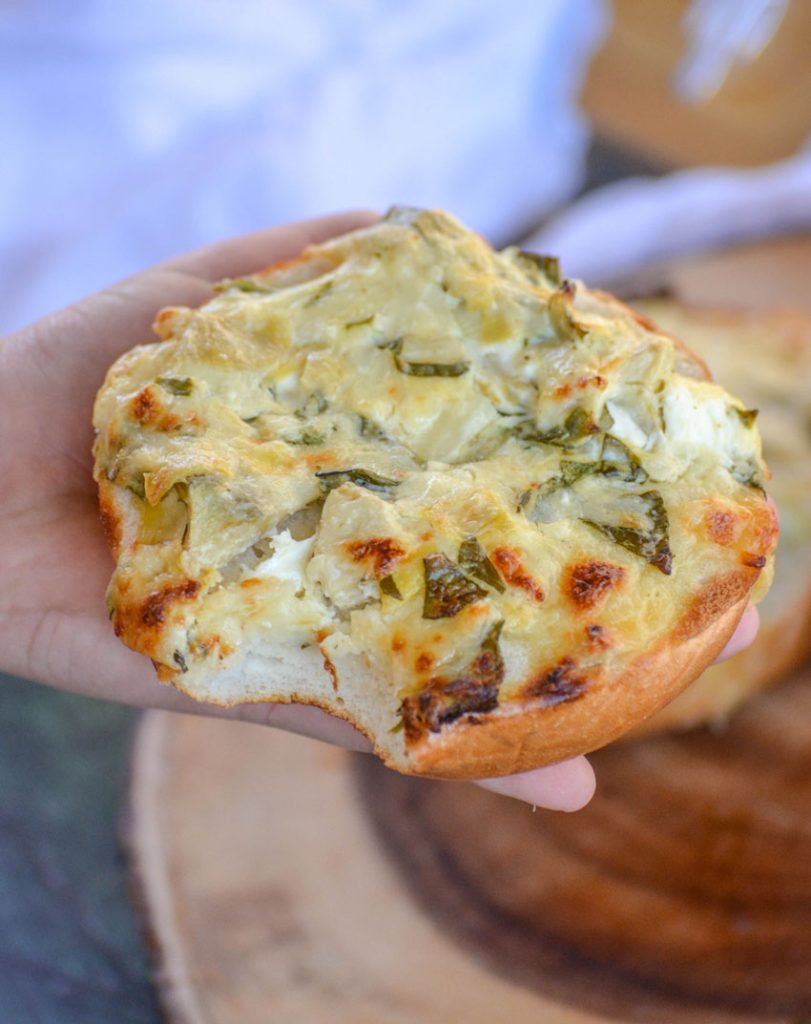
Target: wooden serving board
{"x": 285, "y": 882}
{"x": 292, "y": 883}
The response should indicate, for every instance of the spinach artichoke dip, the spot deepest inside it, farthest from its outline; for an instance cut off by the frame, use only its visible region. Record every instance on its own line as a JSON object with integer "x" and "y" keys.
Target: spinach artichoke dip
{"x": 490, "y": 517}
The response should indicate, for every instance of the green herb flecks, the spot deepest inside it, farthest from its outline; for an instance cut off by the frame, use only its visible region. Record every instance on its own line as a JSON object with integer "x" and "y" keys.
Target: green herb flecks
{"x": 473, "y": 560}
{"x": 359, "y": 323}
{"x": 361, "y": 477}
{"x": 652, "y": 544}
{"x": 176, "y": 385}
{"x": 447, "y": 589}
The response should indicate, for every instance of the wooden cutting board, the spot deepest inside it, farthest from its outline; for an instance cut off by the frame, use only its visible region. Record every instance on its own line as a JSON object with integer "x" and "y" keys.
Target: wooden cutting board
{"x": 285, "y": 882}
{"x": 292, "y": 883}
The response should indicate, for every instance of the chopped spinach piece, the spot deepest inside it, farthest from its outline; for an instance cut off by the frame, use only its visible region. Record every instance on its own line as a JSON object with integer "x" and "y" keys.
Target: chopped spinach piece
{"x": 333, "y": 478}
{"x": 443, "y": 701}
{"x": 431, "y": 369}
{"x": 425, "y": 369}
{"x": 368, "y": 428}
{"x": 749, "y": 476}
{"x": 652, "y": 544}
{"x": 306, "y": 437}
{"x": 577, "y": 426}
{"x": 241, "y": 284}
{"x": 617, "y": 460}
{"x": 390, "y": 588}
{"x": 137, "y": 486}
{"x": 549, "y": 266}
{"x": 746, "y": 416}
{"x": 316, "y": 403}
{"x": 572, "y": 471}
{"x": 359, "y": 323}
{"x": 447, "y": 589}
{"x": 177, "y": 385}
{"x": 474, "y": 561}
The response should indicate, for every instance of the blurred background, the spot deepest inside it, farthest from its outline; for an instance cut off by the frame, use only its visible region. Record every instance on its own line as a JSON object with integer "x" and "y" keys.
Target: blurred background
{"x": 619, "y": 135}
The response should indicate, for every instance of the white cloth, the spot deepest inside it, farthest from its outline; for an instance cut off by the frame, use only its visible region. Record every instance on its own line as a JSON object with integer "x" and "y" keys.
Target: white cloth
{"x": 134, "y": 131}
{"x": 624, "y": 226}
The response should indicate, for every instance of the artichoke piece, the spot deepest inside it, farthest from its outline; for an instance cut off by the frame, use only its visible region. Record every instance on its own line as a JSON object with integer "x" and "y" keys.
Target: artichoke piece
{"x": 361, "y": 477}
{"x": 560, "y": 314}
{"x": 176, "y": 385}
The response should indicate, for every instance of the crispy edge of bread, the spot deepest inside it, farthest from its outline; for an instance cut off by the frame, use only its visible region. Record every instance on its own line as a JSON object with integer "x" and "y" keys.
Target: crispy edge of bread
{"x": 781, "y": 645}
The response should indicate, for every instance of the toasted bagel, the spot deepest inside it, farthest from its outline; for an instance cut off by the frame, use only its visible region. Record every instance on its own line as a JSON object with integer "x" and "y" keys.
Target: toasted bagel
{"x": 490, "y": 517}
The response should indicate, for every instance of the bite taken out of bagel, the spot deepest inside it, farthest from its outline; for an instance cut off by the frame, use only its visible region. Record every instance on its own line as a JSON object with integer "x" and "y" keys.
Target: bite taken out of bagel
{"x": 492, "y": 518}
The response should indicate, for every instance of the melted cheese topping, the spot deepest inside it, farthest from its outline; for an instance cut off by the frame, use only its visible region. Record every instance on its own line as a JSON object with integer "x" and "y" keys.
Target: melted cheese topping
{"x": 439, "y": 457}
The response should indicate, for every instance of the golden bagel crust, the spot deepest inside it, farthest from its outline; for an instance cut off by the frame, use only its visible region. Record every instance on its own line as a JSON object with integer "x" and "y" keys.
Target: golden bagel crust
{"x": 765, "y": 357}
{"x": 491, "y": 518}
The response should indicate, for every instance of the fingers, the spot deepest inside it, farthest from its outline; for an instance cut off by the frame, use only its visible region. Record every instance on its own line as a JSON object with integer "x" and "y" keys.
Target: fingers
{"x": 121, "y": 316}
{"x": 301, "y": 719}
{"x": 744, "y": 634}
{"x": 567, "y": 786}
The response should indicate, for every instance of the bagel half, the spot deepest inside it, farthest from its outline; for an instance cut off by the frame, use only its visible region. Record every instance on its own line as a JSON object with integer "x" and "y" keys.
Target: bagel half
{"x": 765, "y": 357}
{"x": 488, "y": 516}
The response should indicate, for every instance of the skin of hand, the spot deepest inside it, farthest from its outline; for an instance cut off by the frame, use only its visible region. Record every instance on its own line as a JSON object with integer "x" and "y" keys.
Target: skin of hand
{"x": 55, "y": 560}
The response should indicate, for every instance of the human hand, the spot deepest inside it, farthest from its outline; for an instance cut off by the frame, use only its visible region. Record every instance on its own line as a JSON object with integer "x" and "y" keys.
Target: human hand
{"x": 55, "y": 560}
